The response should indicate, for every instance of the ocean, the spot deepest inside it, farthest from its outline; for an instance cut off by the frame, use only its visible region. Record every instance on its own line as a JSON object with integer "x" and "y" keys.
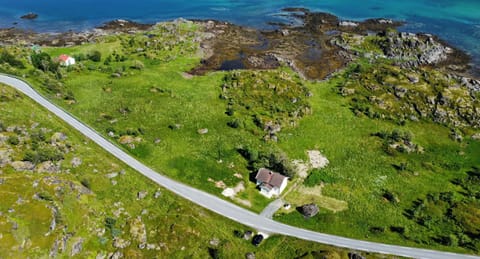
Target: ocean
{"x": 457, "y": 22}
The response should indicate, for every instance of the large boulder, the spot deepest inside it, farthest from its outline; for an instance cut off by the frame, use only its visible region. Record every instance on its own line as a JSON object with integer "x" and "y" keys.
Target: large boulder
{"x": 48, "y": 167}
{"x": 22, "y": 166}
{"x": 309, "y": 210}
{"x": 138, "y": 230}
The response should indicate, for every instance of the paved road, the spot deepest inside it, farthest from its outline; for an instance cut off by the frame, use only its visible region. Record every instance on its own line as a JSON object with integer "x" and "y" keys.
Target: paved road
{"x": 272, "y": 208}
{"x": 218, "y": 205}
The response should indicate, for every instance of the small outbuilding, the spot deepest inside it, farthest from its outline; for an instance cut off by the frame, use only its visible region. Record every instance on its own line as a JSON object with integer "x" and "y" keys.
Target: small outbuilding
{"x": 270, "y": 183}
{"x": 66, "y": 60}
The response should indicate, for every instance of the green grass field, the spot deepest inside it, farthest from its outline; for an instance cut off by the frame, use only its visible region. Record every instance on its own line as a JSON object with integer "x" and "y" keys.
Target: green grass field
{"x": 87, "y": 196}
{"x": 165, "y": 109}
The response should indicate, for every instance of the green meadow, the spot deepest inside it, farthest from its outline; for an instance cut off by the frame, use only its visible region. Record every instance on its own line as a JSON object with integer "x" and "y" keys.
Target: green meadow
{"x": 140, "y": 96}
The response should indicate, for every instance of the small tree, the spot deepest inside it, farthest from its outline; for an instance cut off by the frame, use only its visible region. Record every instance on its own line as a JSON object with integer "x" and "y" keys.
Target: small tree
{"x": 41, "y": 61}
{"x": 95, "y": 56}
{"x": 6, "y": 57}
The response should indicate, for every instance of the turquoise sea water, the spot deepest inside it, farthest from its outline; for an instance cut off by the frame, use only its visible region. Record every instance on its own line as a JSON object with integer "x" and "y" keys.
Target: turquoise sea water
{"x": 458, "y": 22}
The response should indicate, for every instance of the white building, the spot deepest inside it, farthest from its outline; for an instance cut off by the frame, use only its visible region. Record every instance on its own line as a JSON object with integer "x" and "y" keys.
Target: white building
{"x": 270, "y": 183}
{"x": 66, "y": 60}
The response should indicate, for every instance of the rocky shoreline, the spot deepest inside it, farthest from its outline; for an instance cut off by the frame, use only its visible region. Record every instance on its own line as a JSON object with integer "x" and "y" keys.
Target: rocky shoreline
{"x": 12, "y": 36}
{"x": 315, "y": 49}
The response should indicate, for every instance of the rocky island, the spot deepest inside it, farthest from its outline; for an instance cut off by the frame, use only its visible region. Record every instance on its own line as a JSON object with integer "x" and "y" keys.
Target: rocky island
{"x": 29, "y": 16}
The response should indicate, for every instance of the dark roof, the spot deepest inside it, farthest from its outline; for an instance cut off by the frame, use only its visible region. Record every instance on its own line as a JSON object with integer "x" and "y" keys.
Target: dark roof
{"x": 264, "y": 175}
{"x": 269, "y": 178}
{"x": 277, "y": 179}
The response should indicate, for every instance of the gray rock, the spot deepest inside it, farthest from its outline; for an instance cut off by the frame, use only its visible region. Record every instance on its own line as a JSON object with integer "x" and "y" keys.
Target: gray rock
{"x": 54, "y": 249}
{"x": 116, "y": 255}
{"x": 58, "y": 137}
{"x": 77, "y": 247}
{"x": 247, "y": 235}
{"x": 20, "y": 200}
{"x": 101, "y": 255}
{"x": 348, "y": 24}
{"x": 157, "y": 194}
{"x": 214, "y": 242}
{"x": 112, "y": 175}
{"x": 76, "y": 162}
{"x": 142, "y": 194}
{"x": 202, "y": 131}
{"x": 250, "y": 255}
{"x": 48, "y": 167}
{"x": 22, "y": 166}
{"x": 53, "y": 223}
{"x": 309, "y": 210}
{"x": 120, "y": 243}
{"x": 151, "y": 246}
{"x": 413, "y": 79}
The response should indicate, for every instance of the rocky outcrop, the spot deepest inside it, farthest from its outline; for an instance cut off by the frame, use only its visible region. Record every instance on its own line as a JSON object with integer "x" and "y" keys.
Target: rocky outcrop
{"x": 388, "y": 92}
{"x": 407, "y": 50}
{"x": 77, "y": 247}
{"x": 120, "y": 243}
{"x": 138, "y": 231}
{"x": 309, "y": 210}
{"x": 4, "y": 157}
{"x": 48, "y": 167}
{"x": 22, "y": 166}
{"x": 121, "y": 25}
{"x": 29, "y": 16}
{"x": 412, "y": 50}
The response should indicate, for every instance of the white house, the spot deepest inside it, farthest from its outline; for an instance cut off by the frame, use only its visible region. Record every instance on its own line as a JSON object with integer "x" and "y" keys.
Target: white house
{"x": 270, "y": 183}
{"x": 66, "y": 60}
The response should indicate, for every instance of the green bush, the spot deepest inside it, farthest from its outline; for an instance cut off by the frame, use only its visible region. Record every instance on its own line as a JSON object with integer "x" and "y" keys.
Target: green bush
{"x": 44, "y": 62}
{"x": 95, "y": 56}
{"x": 6, "y": 57}
{"x": 42, "y": 155}
{"x": 13, "y": 140}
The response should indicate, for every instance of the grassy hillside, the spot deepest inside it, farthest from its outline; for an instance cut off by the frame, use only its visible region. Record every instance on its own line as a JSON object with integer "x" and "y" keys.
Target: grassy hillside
{"x": 139, "y": 96}
{"x": 63, "y": 196}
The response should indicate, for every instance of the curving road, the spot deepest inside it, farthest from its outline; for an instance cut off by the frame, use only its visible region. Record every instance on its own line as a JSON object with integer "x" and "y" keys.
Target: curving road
{"x": 218, "y": 205}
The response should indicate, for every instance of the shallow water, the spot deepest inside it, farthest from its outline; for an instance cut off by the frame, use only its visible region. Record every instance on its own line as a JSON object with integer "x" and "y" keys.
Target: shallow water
{"x": 458, "y": 22}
